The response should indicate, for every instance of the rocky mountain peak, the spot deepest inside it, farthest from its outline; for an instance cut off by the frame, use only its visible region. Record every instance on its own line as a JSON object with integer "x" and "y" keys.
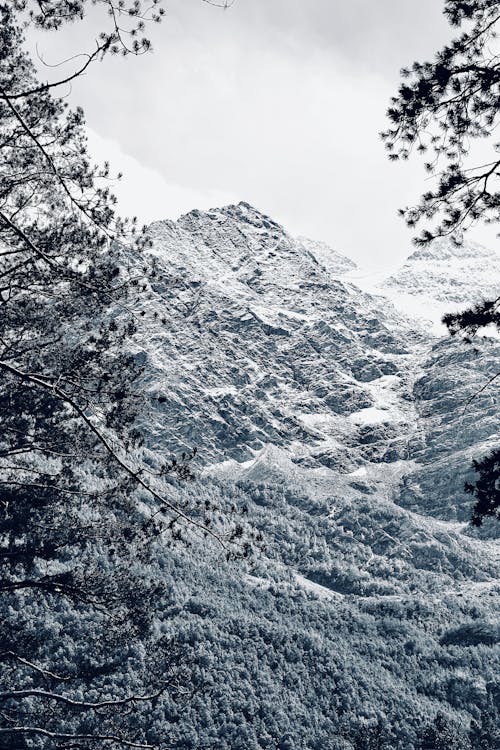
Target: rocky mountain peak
{"x": 444, "y": 249}
{"x": 269, "y": 356}
{"x": 448, "y": 273}
{"x": 242, "y": 213}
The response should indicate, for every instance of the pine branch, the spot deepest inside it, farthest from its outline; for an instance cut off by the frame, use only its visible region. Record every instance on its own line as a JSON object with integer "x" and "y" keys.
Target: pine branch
{"x": 75, "y": 737}
{"x": 84, "y": 705}
{"x": 44, "y": 383}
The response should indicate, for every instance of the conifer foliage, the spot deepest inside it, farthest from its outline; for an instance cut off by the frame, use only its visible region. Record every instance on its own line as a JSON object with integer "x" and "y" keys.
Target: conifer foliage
{"x": 82, "y": 659}
{"x": 441, "y": 109}
{"x": 487, "y": 488}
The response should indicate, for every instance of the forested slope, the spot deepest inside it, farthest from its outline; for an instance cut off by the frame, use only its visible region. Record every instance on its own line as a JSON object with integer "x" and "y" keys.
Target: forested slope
{"x": 341, "y": 431}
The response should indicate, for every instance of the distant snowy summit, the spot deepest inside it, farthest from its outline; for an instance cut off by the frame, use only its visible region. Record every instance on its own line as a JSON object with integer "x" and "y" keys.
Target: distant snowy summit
{"x": 334, "y": 262}
{"x": 441, "y": 277}
{"x": 448, "y": 273}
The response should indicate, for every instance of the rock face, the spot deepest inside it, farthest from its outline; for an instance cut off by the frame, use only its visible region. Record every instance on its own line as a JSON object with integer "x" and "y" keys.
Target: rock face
{"x": 449, "y": 273}
{"x": 263, "y": 346}
{"x": 342, "y": 428}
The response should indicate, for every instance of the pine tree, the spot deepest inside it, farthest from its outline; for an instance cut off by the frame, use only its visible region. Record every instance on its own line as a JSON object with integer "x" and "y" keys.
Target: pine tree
{"x": 441, "y": 108}
{"x": 82, "y": 662}
{"x": 442, "y": 734}
{"x": 486, "y": 490}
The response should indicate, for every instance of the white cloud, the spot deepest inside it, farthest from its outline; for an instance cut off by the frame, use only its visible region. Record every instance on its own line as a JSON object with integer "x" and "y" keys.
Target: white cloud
{"x": 144, "y": 192}
{"x": 275, "y": 102}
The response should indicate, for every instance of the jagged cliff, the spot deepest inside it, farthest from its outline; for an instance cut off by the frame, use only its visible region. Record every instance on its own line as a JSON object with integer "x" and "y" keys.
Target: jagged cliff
{"x": 265, "y": 346}
{"x": 339, "y": 427}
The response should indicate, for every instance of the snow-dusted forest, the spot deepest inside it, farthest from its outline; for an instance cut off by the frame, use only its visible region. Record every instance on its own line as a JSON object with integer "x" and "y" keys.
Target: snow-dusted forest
{"x": 248, "y": 489}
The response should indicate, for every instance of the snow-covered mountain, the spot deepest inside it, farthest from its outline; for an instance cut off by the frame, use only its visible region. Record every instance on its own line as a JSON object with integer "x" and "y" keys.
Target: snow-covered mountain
{"x": 443, "y": 277}
{"x": 266, "y": 352}
{"x": 339, "y": 426}
{"x": 262, "y": 344}
{"x": 449, "y": 273}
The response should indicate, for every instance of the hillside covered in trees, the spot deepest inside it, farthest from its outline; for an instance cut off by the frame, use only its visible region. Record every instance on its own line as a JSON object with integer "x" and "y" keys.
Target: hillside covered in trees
{"x": 232, "y": 505}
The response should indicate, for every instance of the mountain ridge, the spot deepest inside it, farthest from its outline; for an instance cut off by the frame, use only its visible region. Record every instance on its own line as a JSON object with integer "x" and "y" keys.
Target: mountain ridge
{"x": 265, "y": 346}
{"x": 334, "y": 425}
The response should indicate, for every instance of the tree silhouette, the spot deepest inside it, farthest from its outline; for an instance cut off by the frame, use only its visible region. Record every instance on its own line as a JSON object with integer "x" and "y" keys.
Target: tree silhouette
{"x": 442, "y": 734}
{"x": 81, "y": 659}
{"x": 442, "y": 107}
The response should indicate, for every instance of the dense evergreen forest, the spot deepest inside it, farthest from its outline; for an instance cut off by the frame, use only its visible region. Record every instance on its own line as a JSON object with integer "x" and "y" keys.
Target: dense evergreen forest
{"x": 232, "y": 512}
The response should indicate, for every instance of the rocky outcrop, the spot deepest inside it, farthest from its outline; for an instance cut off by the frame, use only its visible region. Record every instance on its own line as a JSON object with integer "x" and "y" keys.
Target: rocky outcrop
{"x": 254, "y": 341}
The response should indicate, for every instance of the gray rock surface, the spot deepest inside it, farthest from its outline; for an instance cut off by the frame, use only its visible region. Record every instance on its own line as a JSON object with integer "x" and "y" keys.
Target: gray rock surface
{"x": 341, "y": 429}
{"x": 263, "y": 346}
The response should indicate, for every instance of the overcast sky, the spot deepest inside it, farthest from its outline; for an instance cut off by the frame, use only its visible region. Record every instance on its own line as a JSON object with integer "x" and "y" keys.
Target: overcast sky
{"x": 275, "y": 102}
